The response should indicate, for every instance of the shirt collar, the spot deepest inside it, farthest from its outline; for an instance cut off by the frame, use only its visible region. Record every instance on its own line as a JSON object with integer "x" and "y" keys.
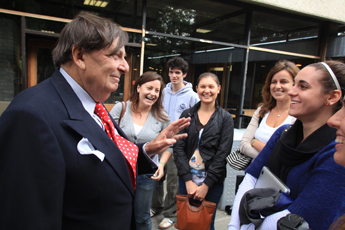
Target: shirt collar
{"x": 87, "y": 101}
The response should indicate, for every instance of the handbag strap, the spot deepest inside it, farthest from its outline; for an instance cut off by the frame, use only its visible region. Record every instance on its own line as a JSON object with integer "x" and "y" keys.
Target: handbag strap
{"x": 203, "y": 204}
{"x": 123, "y": 110}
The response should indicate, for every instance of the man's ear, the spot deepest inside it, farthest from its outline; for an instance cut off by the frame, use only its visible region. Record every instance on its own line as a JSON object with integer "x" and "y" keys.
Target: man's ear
{"x": 334, "y": 97}
{"x": 184, "y": 75}
{"x": 78, "y": 56}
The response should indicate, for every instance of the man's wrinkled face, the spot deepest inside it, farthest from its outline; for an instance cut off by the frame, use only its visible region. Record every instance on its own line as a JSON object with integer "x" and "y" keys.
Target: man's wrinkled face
{"x": 103, "y": 69}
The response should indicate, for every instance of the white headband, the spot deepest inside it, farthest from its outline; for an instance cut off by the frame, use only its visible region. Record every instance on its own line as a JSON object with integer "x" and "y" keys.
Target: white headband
{"x": 332, "y": 75}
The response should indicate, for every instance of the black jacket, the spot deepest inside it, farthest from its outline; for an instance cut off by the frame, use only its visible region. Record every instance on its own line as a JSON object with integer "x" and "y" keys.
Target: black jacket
{"x": 215, "y": 144}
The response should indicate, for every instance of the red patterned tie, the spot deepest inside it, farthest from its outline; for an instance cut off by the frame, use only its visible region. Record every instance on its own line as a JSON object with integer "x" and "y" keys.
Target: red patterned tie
{"x": 128, "y": 149}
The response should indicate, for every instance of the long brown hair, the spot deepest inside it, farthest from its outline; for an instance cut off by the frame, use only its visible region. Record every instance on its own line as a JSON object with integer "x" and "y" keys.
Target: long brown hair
{"x": 269, "y": 102}
{"x": 339, "y": 224}
{"x": 157, "y": 108}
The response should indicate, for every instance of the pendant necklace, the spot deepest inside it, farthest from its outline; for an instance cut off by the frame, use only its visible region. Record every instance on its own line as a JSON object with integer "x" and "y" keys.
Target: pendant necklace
{"x": 280, "y": 112}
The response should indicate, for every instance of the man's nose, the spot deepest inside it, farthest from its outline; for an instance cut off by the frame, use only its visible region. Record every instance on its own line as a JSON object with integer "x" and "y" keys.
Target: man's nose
{"x": 123, "y": 67}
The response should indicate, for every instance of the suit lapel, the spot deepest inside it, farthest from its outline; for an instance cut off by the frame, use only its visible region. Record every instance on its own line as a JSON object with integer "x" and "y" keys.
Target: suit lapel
{"x": 81, "y": 121}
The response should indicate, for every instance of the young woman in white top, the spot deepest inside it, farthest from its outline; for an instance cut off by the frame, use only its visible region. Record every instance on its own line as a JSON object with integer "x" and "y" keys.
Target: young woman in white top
{"x": 273, "y": 113}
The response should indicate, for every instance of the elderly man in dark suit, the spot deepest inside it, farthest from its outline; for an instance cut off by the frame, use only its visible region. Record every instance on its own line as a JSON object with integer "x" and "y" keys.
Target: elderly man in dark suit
{"x": 63, "y": 164}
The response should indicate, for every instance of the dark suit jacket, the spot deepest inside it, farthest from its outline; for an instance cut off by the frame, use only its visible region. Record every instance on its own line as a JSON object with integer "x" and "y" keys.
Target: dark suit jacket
{"x": 45, "y": 183}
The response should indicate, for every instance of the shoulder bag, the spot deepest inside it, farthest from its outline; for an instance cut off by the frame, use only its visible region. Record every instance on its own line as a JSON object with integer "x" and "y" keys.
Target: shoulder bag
{"x": 193, "y": 216}
{"x": 123, "y": 110}
{"x": 238, "y": 160}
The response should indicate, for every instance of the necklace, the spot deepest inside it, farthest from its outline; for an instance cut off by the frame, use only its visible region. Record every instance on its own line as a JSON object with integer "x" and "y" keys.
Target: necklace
{"x": 281, "y": 112}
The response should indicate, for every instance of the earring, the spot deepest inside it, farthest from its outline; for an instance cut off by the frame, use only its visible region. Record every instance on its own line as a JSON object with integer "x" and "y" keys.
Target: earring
{"x": 327, "y": 103}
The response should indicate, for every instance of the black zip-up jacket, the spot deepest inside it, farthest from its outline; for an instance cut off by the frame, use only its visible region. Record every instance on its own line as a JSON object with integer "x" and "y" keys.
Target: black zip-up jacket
{"x": 215, "y": 144}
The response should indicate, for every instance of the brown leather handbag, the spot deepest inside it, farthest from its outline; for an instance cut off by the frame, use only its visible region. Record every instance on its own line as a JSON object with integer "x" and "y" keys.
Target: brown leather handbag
{"x": 193, "y": 216}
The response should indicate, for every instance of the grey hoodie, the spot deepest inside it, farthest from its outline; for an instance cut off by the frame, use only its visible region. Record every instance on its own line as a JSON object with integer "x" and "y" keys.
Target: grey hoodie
{"x": 175, "y": 103}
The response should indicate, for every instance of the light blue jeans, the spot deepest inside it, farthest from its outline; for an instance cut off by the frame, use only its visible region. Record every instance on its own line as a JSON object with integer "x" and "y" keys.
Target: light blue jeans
{"x": 214, "y": 194}
{"x": 168, "y": 205}
{"x": 142, "y": 201}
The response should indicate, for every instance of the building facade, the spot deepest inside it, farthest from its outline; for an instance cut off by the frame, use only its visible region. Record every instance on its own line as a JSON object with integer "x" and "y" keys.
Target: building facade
{"x": 239, "y": 41}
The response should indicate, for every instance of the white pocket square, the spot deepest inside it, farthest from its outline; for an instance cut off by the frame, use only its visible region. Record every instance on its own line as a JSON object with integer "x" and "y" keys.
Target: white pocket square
{"x": 85, "y": 148}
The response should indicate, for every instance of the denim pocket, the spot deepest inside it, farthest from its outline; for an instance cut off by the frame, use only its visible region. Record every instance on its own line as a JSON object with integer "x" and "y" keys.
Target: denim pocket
{"x": 148, "y": 176}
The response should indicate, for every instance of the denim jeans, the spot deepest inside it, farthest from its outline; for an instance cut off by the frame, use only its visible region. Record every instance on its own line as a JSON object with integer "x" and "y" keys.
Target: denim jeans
{"x": 168, "y": 205}
{"x": 142, "y": 201}
{"x": 214, "y": 194}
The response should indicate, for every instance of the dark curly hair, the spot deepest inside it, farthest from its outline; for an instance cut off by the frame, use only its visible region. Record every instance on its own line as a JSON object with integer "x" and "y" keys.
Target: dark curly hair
{"x": 177, "y": 63}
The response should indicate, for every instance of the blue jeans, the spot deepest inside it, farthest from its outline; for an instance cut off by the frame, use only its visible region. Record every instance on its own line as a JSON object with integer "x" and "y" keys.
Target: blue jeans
{"x": 214, "y": 194}
{"x": 142, "y": 201}
{"x": 168, "y": 204}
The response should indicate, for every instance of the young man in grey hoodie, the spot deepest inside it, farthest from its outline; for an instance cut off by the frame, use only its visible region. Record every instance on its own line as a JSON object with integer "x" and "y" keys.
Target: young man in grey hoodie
{"x": 178, "y": 96}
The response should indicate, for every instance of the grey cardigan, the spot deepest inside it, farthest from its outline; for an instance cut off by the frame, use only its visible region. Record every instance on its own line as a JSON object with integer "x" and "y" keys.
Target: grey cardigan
{"x": 151, "y": 129}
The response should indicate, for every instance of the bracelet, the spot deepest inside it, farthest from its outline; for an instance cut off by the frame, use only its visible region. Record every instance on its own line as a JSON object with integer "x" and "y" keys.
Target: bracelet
{"x": 161, "y": 163}
{"x": 253, "y": 142}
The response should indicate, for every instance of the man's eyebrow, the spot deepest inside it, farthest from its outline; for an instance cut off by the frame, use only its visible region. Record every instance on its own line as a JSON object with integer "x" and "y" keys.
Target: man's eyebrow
{"x": 116, "y": 50}
{"x": 303, "y": 81}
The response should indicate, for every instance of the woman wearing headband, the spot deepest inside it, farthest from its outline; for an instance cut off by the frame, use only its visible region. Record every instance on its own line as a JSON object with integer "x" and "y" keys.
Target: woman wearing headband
{"x": 303, "y": 157}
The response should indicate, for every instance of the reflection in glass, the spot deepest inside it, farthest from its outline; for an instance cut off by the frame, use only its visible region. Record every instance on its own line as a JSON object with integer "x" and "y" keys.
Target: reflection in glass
{"x": 46, "y": 26}
{"x": 270, "y": 28}
{"x": 10, "y": 59}
{"x": 200, "y": 19}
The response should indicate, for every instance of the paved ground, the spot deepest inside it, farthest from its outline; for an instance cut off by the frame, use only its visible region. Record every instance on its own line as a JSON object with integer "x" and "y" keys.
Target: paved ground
{"x": 221, "y": 223}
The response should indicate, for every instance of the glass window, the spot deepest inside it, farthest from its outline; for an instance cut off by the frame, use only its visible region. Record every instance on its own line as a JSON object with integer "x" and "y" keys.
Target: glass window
{"x": 201, "y": 19}
{"x": 10, "y": 57}
{"x": 46, "y": 26}
{"x": 269, "y": 28}
{"x": 159, "y": 49}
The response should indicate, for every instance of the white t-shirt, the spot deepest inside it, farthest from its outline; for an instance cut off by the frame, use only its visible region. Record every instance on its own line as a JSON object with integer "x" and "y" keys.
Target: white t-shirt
{"x": 264, "y": 132}
{"x": 137, "y": 128}
{"x": 197, "y": 165}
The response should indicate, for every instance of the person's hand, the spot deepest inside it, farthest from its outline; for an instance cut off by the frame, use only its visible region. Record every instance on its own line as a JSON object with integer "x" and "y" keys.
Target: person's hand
{"x": 159, "y": 173}
{"x": 167, "y": 137}
{"x": 191, "y": 188}
{"x": 201, "y": 192}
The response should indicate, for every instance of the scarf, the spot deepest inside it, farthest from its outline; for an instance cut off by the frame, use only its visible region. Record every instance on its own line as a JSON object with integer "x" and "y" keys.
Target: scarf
{"x": 290, "y": 151}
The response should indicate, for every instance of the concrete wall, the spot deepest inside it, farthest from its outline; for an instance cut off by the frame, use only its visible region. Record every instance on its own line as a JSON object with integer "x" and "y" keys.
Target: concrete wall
{"x": 332, "y": 10}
